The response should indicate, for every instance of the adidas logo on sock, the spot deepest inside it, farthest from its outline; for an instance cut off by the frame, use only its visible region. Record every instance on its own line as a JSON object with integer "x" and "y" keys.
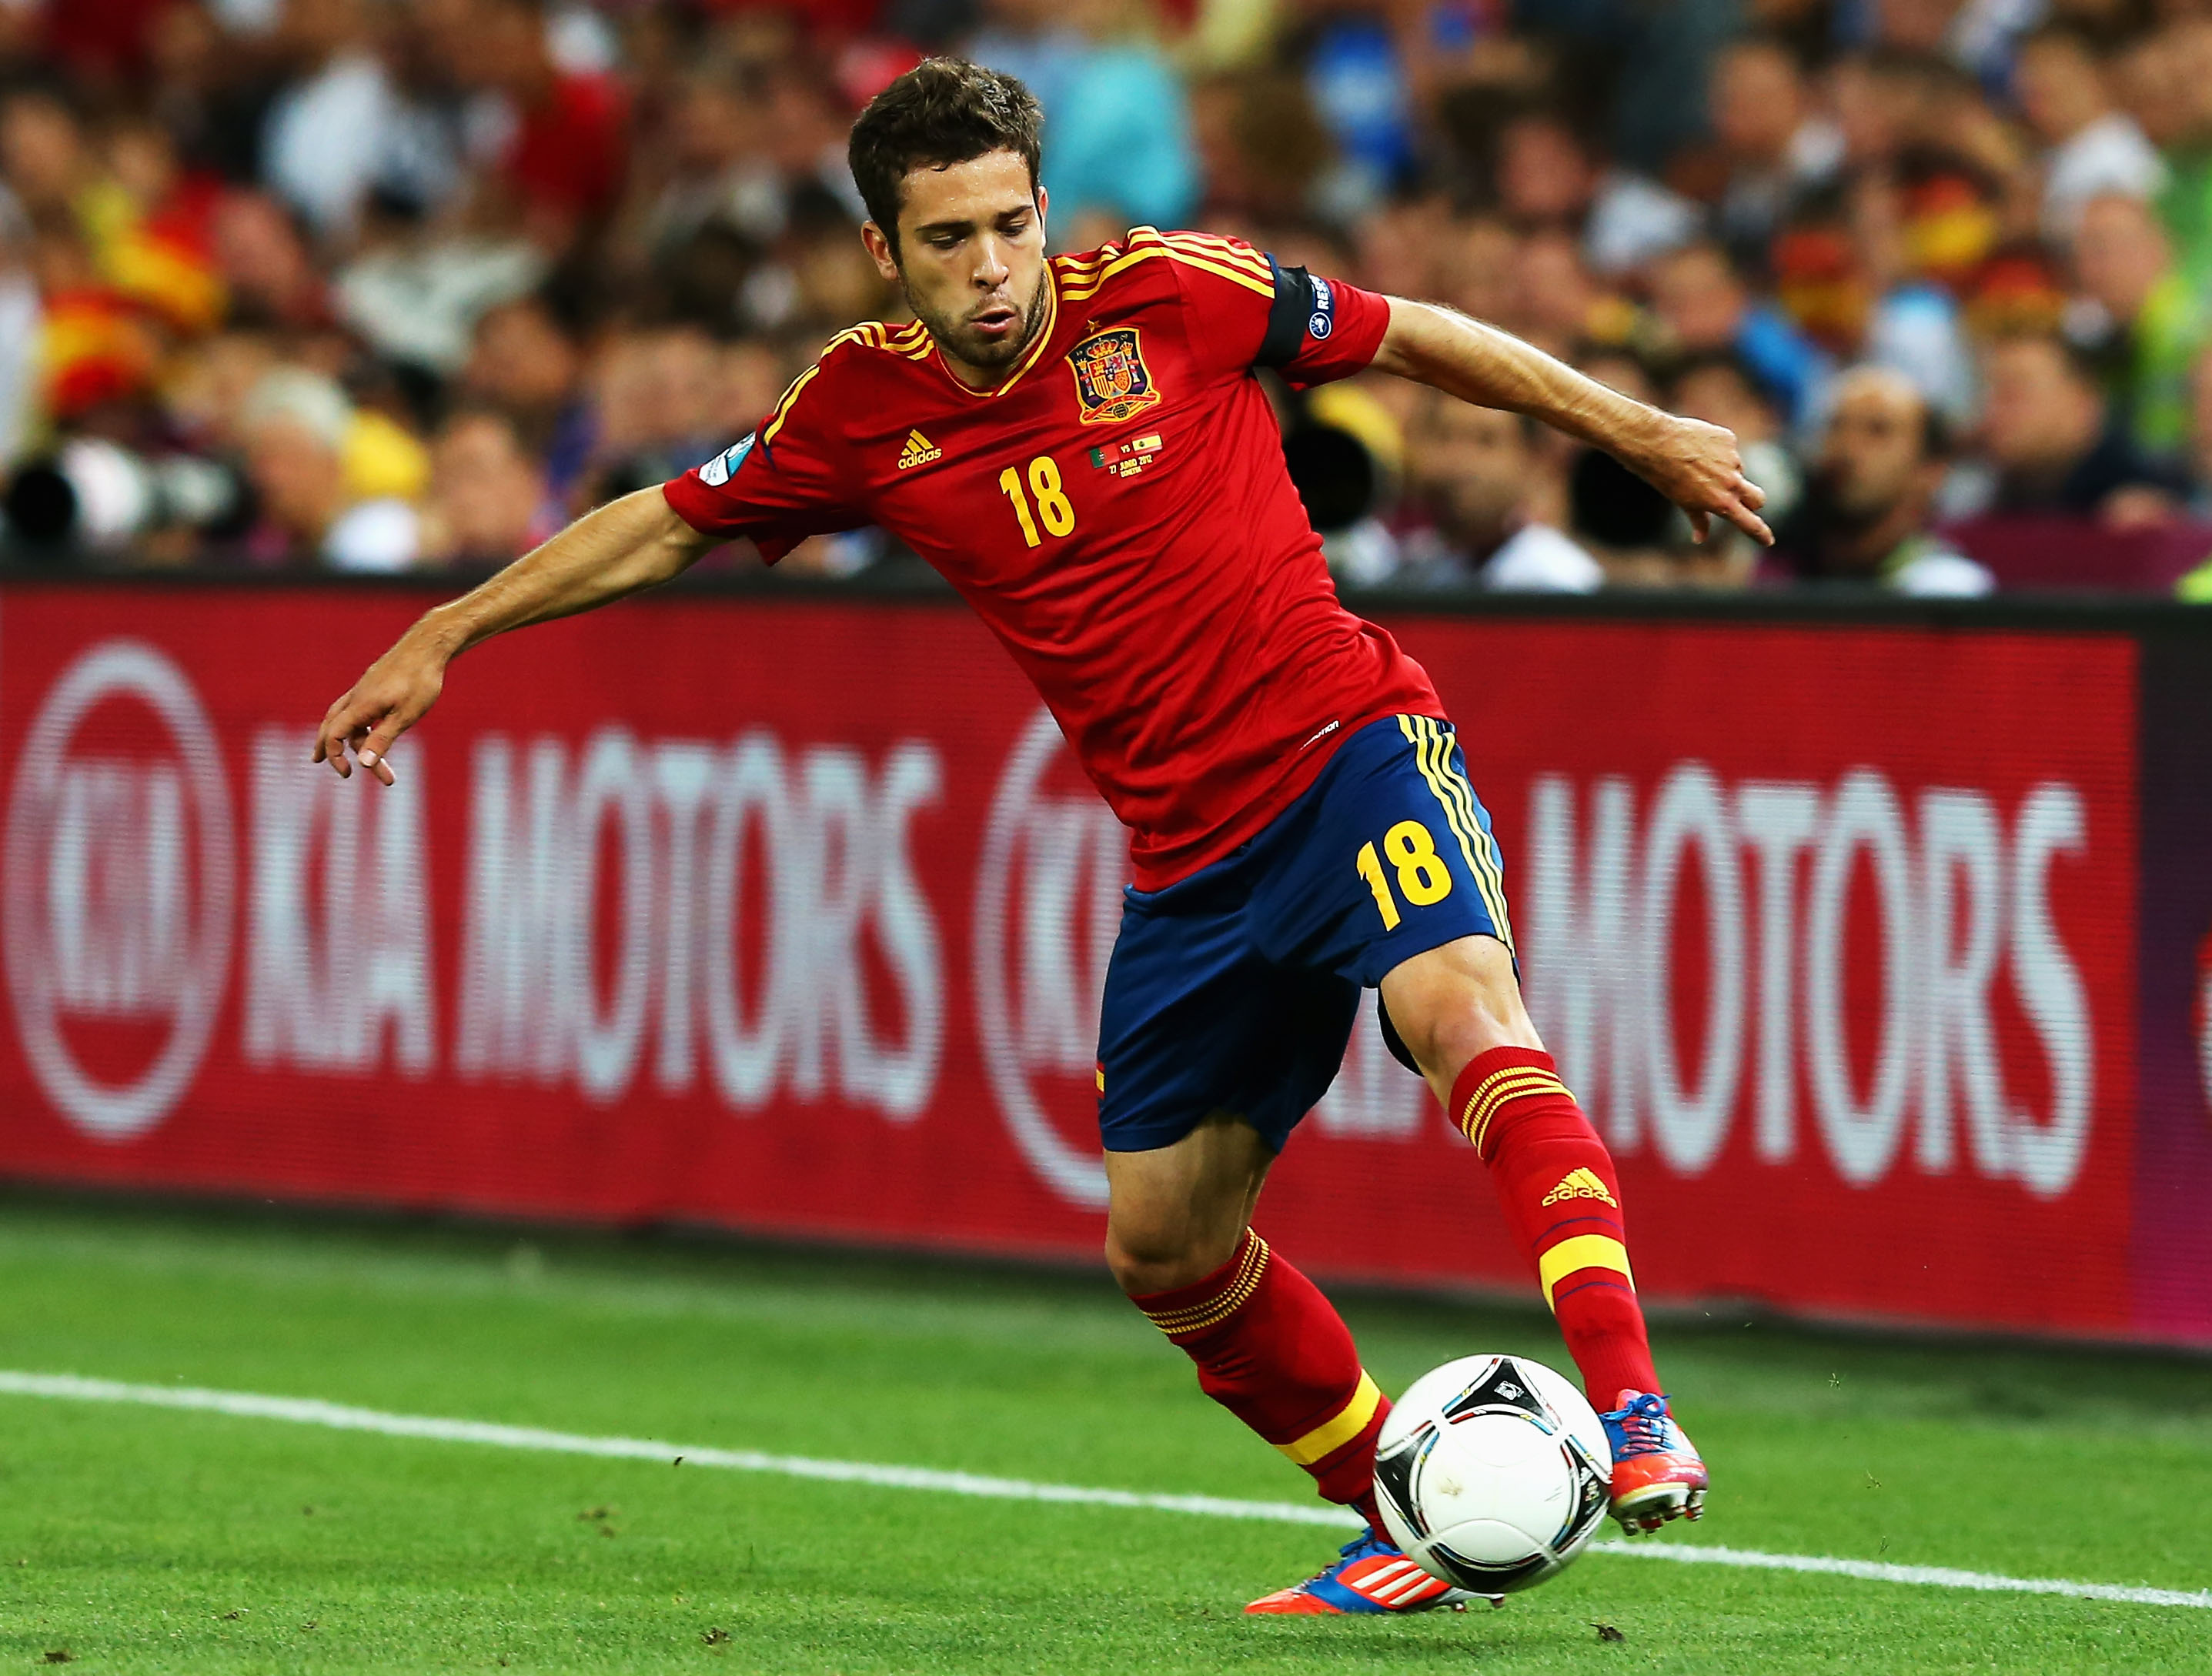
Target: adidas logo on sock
{"x": 1580, "y": 1184}
{"x": 919, "y": 451}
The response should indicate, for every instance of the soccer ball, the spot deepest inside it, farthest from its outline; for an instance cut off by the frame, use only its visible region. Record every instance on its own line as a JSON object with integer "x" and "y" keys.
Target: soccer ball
{"x": 1492, "y": 1473}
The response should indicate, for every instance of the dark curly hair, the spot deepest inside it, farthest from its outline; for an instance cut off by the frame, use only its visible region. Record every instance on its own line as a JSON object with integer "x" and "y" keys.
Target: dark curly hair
{"x": 942, "y": 111}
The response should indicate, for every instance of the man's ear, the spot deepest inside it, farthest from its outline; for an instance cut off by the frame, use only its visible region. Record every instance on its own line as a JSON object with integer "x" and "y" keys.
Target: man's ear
{"x": 1043, "y": 203}
{"x": 879, "y": 248}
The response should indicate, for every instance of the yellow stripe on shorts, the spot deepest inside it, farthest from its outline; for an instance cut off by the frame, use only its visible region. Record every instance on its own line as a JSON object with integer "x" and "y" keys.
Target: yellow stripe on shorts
{"x": 1491, "y": 868}
{"x": 1332, "y": 1435}
{"x": 1432, "y": 755}
{"x": 1585, "y": 1251}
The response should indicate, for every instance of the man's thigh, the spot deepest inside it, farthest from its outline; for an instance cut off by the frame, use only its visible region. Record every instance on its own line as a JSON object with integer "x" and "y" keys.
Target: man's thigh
{"x": 1392, "y": 857}
{"x": 1198, "y": 1026}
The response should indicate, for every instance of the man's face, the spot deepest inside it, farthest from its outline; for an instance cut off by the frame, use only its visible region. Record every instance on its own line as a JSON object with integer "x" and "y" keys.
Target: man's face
{"x": 970, "y": 258}
{"x": 1472, "y": 464}
{"x": 1871, "y": 458}
{"x": 1756, "y": 101}
{"x": 2038, "y": 416}
{"x": 2120, "y": 254}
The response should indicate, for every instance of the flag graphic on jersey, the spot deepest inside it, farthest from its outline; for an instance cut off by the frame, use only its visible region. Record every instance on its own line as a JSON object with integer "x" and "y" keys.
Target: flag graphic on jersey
{"x": 1111, "y": 379}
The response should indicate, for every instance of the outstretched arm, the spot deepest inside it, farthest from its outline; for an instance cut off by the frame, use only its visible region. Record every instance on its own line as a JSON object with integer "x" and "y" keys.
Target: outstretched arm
{"x": 626, "y": 545}
{"x": 1693, "y": 464}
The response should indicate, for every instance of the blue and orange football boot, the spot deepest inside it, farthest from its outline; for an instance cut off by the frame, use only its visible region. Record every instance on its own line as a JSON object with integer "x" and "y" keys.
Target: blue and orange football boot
{"x": 1657, "y": 1473}
{"x": 1371, "y": 1577}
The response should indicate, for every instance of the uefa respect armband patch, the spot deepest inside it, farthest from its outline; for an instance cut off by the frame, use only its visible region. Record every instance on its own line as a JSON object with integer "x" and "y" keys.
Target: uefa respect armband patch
{"x": 1305, "y": 306}
{"x": 716, "y": 472}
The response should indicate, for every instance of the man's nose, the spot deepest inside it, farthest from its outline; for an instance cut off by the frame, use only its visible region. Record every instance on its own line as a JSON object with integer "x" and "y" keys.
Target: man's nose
{"x": 991, "y": 267}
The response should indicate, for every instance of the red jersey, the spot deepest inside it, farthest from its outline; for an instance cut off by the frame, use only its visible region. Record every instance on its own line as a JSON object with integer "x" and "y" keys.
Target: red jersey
{"x": 1118, "y": 512}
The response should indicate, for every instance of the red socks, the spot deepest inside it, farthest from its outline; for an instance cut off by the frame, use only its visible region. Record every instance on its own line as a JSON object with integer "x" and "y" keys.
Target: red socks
{"x": 1274, "y": 1352}
{"x": 1562, "y": 1202}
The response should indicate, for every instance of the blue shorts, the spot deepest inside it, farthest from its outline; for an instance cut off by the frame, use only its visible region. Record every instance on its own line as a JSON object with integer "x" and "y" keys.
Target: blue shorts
{"x": 1234, "y": 991}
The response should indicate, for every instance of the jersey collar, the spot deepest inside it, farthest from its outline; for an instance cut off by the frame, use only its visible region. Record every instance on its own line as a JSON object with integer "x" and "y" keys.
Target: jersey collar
{"x": 1031, "y": 357}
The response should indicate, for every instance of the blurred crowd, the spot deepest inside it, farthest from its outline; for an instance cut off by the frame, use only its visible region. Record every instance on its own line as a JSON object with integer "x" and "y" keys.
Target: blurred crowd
{"x": 376, "y": 285}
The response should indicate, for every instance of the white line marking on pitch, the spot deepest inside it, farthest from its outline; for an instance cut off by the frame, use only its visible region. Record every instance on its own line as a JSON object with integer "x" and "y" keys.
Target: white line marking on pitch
{"x": 339, "y": 1416}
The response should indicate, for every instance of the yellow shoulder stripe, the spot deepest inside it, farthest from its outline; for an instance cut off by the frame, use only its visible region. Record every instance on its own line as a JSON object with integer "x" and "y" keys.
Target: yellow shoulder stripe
{"x": 769, "y": 431}
{"x": 1082, "y": 286}
{"x": 1226, "y": 251}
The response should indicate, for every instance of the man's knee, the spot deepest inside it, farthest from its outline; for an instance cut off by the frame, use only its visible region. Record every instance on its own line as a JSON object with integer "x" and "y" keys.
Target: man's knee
{"x": 1174, "y": 1215}
{"x": 1149, "y": 1256}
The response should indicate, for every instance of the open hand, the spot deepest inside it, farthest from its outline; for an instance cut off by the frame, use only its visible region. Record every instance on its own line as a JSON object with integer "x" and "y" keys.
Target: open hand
{"x": 1696, "y": 466}
{"x": 396, "y": 693}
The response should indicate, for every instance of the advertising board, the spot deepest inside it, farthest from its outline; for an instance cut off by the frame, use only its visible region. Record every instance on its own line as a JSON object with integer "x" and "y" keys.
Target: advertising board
{"x": 790, "y": 915}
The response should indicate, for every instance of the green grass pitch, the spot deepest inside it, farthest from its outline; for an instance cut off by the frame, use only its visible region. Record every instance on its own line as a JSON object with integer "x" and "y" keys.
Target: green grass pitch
{"x": 145, "y": 1539}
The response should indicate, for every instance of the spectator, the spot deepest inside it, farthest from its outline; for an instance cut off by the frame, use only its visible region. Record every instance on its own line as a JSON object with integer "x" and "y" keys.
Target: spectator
{"x": 2046, "y": 433}
{"x": 1475, "y": 489}
{"x": 296, "y": 425}
{"x": 1704, "y": 306}
{"x": 582, "y": 243}
{"x": 1356, "y": 76}
{"x": 1548, "y": 177}
{"x": 2174, "y": 71}
{"x": 2145, "y": 320}
{"x": 557, "y": 136}
{"x": 1871, "y": 496}
{"x": 1118, "y": 144}
{"x": 2091, "y": 146}
{"x": 328, "y": 131}
{"x": 1776, "y": 145}
{"x": 526, "y": 361}
{"x": 489, "y": 500}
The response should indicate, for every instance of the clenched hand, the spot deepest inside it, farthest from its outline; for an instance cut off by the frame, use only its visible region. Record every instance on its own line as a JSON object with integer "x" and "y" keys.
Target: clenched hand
{"x": 396, "y": 693}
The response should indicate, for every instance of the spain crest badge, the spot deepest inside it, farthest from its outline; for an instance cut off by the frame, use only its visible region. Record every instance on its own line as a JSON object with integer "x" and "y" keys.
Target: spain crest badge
{"x": 1111, "y": 379}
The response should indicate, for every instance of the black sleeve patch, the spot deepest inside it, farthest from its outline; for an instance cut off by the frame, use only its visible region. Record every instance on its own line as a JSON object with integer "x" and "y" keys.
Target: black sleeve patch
{"x": 1287, "y": 317}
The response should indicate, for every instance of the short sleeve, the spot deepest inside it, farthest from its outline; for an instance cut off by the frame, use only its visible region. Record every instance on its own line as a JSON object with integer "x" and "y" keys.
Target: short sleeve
{"x": 1251, "y": 310}
{"x": 1320, "y": 329}
{"x": 780, "y": 485}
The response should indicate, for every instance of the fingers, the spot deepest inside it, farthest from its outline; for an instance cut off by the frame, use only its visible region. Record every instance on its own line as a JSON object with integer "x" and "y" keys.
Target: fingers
{"x": 1747, "y": 521}
{"x": 369, "y": 734}
{"x": 378, "y": 744}
{"x": 1700, "y": 524}
{"x": 1748, "y": 492}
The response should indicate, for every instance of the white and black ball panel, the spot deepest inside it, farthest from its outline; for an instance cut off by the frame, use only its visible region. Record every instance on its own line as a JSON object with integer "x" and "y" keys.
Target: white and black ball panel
{"x": 1493, "y": 1473}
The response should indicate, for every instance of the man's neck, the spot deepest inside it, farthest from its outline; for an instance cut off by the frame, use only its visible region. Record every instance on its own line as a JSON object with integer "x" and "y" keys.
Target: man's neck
{"x": 1862, "y": 552}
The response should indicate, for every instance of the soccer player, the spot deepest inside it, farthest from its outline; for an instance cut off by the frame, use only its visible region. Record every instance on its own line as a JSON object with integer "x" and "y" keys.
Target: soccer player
{"x": 1078, "y": 444}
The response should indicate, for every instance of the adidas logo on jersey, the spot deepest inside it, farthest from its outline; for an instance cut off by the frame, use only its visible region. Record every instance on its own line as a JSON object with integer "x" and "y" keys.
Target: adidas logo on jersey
{"x": 919, "y": 451}
{"x": 1580, "y": 1184}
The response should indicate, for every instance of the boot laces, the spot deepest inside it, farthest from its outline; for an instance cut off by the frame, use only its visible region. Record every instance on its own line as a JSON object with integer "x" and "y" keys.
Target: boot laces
{"x": 1369, "y": 1541}
{"x": 1644, "y": 1426}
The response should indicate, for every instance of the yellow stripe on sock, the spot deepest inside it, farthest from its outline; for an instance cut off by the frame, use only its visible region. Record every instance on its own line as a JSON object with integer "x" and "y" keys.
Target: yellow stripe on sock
{"x": 1585, "y": 1251}
{"x": 1498, "y": 1089}
{"x": 1332, "y": 1435}
{"x": 1251, "y": 1264}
